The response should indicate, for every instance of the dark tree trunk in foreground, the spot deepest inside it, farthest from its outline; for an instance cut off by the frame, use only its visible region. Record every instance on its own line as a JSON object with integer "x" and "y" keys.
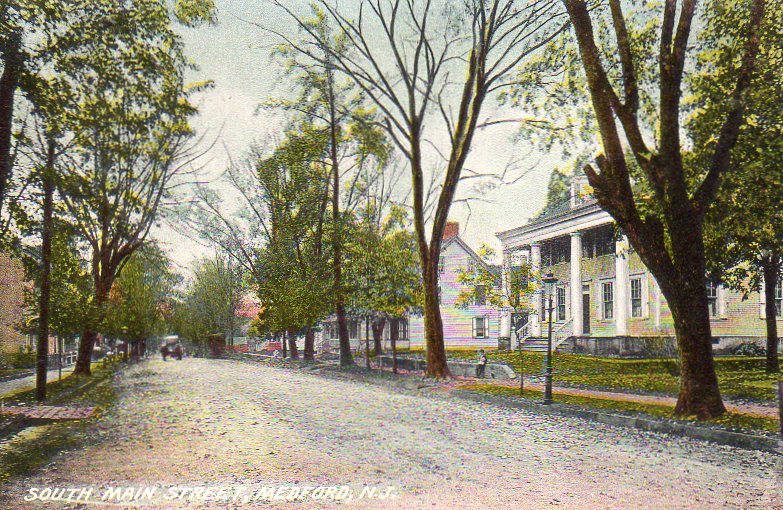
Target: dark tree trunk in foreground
{"x": 9, "y": 81}
{"x": 90, "y": 335}
{"x": 309, "y": 344}
{"x": 46, "y": 280}
{"x": 378, "y": 326}
{"x": 671, "y": 242}
{"x": 771, "y": 266}
{"x": 292, "y": 345}
{"x": 433, "y": 324}
{"x": 84, "y": 356}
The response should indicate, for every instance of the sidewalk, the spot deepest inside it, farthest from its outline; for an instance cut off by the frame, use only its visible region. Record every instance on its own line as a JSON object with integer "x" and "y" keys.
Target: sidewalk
{"x": 28, "y": 382}
{"x": 758, "y": 410}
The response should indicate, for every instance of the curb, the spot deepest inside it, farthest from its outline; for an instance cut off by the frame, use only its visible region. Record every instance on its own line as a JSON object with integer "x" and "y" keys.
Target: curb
{"x": 713, "y": 435}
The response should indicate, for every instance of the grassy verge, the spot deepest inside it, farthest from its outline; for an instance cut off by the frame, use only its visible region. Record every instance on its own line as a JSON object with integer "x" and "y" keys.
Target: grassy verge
{"x": 33, "y": 447}
{"x": 730, "y": 420}
{"x": 739, "y": 377}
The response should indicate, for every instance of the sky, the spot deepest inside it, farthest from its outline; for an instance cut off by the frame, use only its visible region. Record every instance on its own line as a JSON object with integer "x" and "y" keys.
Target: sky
{"x": 235, "y": 55}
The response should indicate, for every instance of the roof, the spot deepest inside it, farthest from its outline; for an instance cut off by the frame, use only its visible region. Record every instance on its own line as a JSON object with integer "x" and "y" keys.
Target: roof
{"x": 457, "y": 239}
{"x": 561, "y": 213}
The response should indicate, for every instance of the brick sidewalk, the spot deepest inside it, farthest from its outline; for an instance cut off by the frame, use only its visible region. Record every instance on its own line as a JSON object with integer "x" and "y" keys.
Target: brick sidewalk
{"x": 48, "y": 412}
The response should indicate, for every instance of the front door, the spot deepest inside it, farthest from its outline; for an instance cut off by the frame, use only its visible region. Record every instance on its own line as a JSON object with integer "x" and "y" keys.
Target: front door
{"x": 586, "y": 313}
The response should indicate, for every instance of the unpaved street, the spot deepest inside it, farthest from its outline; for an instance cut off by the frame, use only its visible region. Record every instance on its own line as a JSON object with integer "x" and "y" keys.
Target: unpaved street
{"x": 210, "y": 422}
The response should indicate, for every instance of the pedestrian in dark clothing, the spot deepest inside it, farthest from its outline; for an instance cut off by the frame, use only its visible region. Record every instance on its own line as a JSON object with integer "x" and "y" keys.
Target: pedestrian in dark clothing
{"x": 164, "y": 351}
{"x": 481, "y": 364}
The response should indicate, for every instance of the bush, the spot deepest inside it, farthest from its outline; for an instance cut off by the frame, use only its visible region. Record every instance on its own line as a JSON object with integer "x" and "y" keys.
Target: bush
{"x": 17, "y": 360}
{"x": 749, "y": 349}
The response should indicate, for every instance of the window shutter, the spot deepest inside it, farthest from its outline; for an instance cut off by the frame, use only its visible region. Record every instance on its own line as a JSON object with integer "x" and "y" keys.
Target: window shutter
{"x": 645, "y": 296}
{"x": 473, "y": 334}
{"x": 722, "y": 301}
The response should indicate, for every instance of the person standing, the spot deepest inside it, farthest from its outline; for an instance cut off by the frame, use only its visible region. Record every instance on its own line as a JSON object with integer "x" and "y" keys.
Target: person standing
{"x": 481, "y": 364}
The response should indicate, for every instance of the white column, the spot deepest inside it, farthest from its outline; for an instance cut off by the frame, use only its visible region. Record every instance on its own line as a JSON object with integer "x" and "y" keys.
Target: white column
{"x": 621, "y": 287}
{"x": 505, "y": 315}
{"x": 535, "y": 264}
{"x": 721, "y": 301}
{"x": 576, "y": 283}
{"x": 657, "y": 304}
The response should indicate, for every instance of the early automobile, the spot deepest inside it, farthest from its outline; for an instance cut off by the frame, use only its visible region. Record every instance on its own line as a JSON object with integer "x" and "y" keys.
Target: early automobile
{"x": 171, "y": 347}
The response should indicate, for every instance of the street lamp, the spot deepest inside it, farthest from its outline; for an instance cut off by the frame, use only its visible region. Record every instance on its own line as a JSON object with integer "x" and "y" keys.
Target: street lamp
{"x": 549, "y": 282}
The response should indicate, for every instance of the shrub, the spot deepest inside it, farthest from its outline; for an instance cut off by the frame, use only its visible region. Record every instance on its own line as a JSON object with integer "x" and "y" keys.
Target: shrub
{"x": 748, "y": 349}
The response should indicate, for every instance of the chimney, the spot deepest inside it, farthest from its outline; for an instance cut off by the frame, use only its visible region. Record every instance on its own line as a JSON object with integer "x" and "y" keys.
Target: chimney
{"x": 451, "y": 230}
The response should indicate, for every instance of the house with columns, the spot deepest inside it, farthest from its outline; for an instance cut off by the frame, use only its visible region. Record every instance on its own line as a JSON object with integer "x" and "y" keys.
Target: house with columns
{"x": 606, "y": 301}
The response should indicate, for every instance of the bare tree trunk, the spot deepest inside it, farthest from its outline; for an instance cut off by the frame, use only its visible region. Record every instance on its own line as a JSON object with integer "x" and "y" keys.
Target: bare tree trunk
{"x": 84, "y": 356}
{"x": 87, "y": 343}
{"x": 292, "y": 344}
{"x": 309, "y": 345}
{"x": 433, "y": 324}
{"x": 378, "y": 326}
{"x": 46, "y": 280}
{"x": 771, "y": 267}
{"x": 9, "y": 82}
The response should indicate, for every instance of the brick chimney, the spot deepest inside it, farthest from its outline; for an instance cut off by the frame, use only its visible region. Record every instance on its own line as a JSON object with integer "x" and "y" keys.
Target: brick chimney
{"x": 451, "y": 230}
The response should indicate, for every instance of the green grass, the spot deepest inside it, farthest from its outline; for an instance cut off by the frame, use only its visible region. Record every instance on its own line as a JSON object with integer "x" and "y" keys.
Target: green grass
{"x": 731, "y": 420}
{"x": 738, "y": 377}
{"x": 33, "y": 447}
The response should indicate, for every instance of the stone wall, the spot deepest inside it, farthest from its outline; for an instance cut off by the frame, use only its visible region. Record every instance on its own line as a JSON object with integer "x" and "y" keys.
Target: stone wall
{"x": 457, "y": 368}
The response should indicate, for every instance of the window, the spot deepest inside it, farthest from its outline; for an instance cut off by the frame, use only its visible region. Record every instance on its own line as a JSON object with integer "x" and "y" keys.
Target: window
{"x": 442, "y": 264}
{"x": 480, "y": 298}
{"x": 471, "y": 266}
{"x": 712, "y": 297}
{"x": 636, "y": 297}
{"x": 479, "y": 327}
{"x": 556, "y": 251}
{"x": 607, "y": 300}
{"x": 778, "y": 299}
{"x": 561, "y": 304}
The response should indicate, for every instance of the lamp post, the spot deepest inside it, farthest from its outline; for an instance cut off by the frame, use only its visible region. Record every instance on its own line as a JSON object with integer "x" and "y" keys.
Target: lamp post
{"x": 549, "y": 282}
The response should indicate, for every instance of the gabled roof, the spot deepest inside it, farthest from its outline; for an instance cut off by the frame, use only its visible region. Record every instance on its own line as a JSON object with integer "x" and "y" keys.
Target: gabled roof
{"x": 458, "y": 240}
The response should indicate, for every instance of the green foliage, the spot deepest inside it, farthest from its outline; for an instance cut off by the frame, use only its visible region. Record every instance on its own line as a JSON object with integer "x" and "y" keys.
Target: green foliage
{"x": 210, "y": 301}
{"x": 512, "y": 290}
{"x": 140, "y": 296}
{"x": 746, "y": 221}
{"x": 72, "y": 289}
{"x": 382, "y": 266}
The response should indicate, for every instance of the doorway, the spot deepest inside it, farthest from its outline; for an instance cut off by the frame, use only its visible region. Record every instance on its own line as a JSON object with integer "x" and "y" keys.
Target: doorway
{"x": 586, "y": 309}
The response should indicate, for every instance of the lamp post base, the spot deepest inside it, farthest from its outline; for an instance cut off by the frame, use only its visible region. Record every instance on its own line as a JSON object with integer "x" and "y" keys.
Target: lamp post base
{"x": 548, "y": 386}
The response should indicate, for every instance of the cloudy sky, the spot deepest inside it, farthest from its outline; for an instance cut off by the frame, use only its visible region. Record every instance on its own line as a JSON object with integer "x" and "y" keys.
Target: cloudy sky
{"x": 235, "y": 55}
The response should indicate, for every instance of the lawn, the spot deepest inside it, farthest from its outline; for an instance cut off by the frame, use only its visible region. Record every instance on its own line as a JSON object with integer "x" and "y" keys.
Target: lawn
{"x": 33, "y": 447}
{"x": 731, "y": 420}
{"x": 739, "y": 377}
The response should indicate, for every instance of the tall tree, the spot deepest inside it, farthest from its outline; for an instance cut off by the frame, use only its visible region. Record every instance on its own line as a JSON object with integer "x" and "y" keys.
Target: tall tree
{"x": 744, "y": 230}
{"x": 335, "y": 106}
{"x": 405, "y": 56}
{"x": 131, "y": 131}
{"x": 668, "y": 234}
{"x": 138, "y": 298}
